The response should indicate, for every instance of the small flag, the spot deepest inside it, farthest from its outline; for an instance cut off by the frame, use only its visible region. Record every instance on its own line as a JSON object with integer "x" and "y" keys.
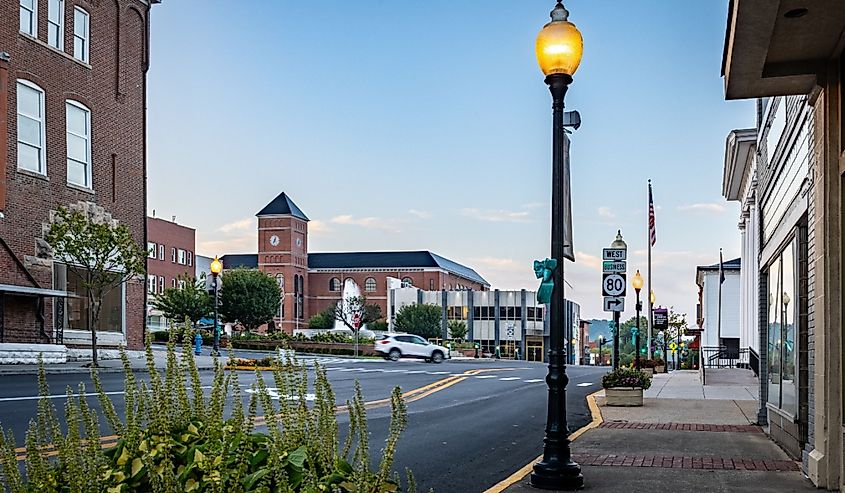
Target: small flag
{"x": 652, "y": 232}
{"x": 721, "y": 268}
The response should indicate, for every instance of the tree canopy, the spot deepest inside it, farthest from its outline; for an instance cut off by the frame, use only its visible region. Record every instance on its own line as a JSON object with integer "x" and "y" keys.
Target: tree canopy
{"x": 422, "y": 320}
{"x": 191, "y": 301}
{"x": 249, "y": 297}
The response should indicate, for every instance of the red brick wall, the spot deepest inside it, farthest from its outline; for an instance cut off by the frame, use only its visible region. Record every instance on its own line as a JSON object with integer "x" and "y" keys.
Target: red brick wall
{"x": 171, "y": 235}
{"x": 113, "y": 87}
{"x": 4, "y": 136}
{"x": 289, "y": 258}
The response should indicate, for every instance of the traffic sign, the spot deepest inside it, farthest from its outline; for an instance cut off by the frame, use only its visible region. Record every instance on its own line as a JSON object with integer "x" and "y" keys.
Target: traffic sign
{"x": 356, "y": 320}
{"x": 614, "y": 254}
{"x": 611, "y": 266}
{"x": 661, "y": 319}
{"x": 613, "y": 284}
{"x": 614, "y": 304}
{"x": 673, "y": 346}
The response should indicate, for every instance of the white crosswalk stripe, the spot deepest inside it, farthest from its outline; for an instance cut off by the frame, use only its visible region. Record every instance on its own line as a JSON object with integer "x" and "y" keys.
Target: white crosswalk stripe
{"x": 508, "y": 379}
{"x": 535, "y": 380}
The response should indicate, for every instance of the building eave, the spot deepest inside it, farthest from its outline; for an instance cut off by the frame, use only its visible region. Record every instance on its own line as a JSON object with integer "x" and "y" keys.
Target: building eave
{"x": 769, "y": 52}
{"x": 739, "y": 156}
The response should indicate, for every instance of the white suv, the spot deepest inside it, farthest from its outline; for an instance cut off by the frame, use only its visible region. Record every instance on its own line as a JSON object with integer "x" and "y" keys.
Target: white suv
{"x": 395, "y": 346}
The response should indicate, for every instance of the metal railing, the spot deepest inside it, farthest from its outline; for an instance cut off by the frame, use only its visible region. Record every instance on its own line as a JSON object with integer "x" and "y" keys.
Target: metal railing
{"x": 720, "y": 357}
{"x": 754, "y": 362}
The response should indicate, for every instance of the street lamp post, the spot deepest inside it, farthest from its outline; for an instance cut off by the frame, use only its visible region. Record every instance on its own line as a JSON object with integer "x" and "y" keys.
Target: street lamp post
{"x": 638, "y": 285}
{"x": 216, "y": 267}
{"x": 601, "y": 343}
{"x": 559, "y": 48}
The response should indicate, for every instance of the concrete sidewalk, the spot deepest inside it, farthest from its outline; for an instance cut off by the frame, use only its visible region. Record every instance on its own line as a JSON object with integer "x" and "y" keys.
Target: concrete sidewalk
{"x": 685, "y": 437}
{"x": 138, "y": 364}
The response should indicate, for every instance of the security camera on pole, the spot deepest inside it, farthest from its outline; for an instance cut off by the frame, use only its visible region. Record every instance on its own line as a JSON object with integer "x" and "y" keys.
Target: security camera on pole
{"x": 613, "y": 286}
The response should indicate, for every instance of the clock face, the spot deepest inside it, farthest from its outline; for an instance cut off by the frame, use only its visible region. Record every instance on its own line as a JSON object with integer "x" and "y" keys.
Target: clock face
{"x": 274, "y": 240}
{"x": 299, "y": 242}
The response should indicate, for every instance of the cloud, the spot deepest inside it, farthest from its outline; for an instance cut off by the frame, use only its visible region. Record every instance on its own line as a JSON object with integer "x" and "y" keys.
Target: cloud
{"x": 420, "y": 214}
{"x": 222, "y": 246}
{"x": 606, "y": 212}
{"x": 497, "y": 262}
{"x": 590, "y": 261}
{"x": 370, "y": 222}
{"x": 708, "y": 207}
{"x": 318, "y": 227}
{"x": 496, "y": 215}
{"x": 533, "y": 205}
{"x": 245, "y": 224}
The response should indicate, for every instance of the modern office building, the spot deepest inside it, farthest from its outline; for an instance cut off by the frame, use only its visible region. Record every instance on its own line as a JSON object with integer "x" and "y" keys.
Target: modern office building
{"x": 72, "y": 134}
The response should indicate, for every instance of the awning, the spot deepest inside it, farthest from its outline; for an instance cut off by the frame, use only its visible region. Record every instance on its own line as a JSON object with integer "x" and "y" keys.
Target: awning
{"x": 30, "y": 291}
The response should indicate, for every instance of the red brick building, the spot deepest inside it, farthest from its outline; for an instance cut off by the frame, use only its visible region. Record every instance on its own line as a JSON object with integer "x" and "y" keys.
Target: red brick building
{"x": 313, "y": 281}
{"x": 170, "y": 248}
{"x": 72, "y": 133}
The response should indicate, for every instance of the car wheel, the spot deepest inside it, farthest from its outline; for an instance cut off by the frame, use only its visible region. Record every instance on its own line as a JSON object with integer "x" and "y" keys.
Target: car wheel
{"x": 437, "y": 357}
{"x": 394, "y": 355}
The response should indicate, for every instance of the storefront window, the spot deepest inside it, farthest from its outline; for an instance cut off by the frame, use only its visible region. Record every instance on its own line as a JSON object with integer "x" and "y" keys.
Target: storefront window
{"x": 783, "y": 301}
{"x": 77, "y": 312}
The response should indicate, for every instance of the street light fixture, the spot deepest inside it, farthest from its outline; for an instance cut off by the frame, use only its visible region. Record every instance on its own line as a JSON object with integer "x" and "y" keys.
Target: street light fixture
{"x": 216, "y": 267}
{"x": 638, "y": 285}
{"x": 559, "y": 48}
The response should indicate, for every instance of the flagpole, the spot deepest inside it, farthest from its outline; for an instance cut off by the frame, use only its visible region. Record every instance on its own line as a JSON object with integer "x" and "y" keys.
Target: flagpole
{"x": 719, "y": 312}
{"x": 650, "y": 307}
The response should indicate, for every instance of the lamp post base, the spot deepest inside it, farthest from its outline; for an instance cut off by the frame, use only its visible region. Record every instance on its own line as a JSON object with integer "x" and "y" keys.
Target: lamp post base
{"x": 553, "y": 475}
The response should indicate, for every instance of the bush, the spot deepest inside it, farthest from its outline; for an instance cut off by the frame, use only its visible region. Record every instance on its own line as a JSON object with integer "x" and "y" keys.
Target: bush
{"x": 648, "y": 363}
{"x": 626, "y": 377}
{"x": 174, "y": 438}
{"x": 322, "y": 320}
{"x": 378, "y": 326}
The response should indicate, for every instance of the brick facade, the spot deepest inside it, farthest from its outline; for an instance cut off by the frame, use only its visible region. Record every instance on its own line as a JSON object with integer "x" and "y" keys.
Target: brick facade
{"x": 112, "y": 85}
{"x": 168, "y": 239}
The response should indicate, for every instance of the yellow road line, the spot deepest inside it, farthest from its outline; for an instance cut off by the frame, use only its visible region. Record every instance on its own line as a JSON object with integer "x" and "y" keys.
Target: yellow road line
{"x": 527, "y": 468}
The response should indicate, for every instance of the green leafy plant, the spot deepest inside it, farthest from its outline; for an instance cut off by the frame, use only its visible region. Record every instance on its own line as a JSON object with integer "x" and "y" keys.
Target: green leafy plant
{"x": 421, "y": 319}
{"x": 323, "y": 320}
{"x": 249, "y": 297}
{"x": 626, "y": 377}
{"x": 173, "y": 437}
{"x": 98, "y": 251}
{"x": 191, "y": 301}
{"x": 378, "y": 326}
{"x": 458, "y": 329}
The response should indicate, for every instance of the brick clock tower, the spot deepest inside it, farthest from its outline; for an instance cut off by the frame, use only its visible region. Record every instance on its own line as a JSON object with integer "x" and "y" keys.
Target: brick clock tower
{"x": 283, "y": 253}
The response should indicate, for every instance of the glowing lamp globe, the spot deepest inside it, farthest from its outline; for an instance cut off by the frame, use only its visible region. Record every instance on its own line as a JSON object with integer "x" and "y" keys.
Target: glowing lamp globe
{"x": 638, "y": 281}
{"x": 559, "y": 44}
{"x": 216, "y": 266}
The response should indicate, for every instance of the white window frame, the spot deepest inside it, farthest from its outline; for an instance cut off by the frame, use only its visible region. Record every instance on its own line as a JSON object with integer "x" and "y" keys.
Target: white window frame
{"x": 42, "y": 123}
{"x": 151, "y": 284}
{"x": 34, "y": 19}
{"x": 173, "y": 283}
{"x": 161, "y": 284}
{"x": 152, "y": 250}
{"x": 58, "y": 43}
{"x": 190, "y": 259}
{"x": 161, "y": 252}
{"x": 182, "y": 258}
{"x": 86, "y": 37}
{"x": 173, "y": 254}
{"x": 181, "y": 284}
{"x": 88, "y": 172}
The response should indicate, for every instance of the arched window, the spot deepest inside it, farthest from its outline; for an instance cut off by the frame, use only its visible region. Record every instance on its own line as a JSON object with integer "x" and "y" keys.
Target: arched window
{"x": 280, "y": 278}
{"x": 334, "y": 284}
{"x": 407, "y": 282}
{"x": 370, "y": 284}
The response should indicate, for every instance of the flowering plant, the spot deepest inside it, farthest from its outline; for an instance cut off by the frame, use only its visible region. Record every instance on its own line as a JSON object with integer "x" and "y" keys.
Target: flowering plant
{"x": 626, "y": 377}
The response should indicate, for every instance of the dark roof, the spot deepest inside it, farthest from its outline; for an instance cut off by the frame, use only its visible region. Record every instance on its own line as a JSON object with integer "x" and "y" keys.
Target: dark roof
{"x": 734, "y": 264}
{"x": 282, "y": 205}
{"x": 246, "y": 260}
{"x": 372, "y": 260}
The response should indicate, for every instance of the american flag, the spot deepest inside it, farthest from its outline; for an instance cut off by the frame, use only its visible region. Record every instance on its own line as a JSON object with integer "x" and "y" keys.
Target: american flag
{"x": 652, "y": 232}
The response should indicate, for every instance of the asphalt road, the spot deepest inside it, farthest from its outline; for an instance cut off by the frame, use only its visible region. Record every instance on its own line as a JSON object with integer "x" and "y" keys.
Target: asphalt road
{"x": 466, "y": 437}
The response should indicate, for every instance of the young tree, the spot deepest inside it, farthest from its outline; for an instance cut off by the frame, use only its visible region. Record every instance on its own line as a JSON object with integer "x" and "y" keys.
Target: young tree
{"x": 191, "y": 301}
{"x": 458, "y": 329}
{"x": 323, "y": 320}
{"x": 100, "y": 252}
{"x": 249, "y": 297}
{"x": 422, "y": 320}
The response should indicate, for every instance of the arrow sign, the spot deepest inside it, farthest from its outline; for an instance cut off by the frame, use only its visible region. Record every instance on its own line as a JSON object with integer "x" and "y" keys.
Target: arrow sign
{"x": 614, "y": 304}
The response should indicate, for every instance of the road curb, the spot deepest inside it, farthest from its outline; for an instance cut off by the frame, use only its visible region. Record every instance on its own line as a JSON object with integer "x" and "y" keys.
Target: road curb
{"x": 525, "y": 470}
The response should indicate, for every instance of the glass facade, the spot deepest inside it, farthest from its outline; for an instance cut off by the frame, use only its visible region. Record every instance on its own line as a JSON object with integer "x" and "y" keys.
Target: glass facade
{"x": 782, "y": 337}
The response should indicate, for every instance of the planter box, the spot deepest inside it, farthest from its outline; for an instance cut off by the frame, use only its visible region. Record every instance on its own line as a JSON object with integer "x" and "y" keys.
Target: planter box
{"x": 659, "y": 369}
{"x": 624, "y": 396}
{"x": 648, "y": 371}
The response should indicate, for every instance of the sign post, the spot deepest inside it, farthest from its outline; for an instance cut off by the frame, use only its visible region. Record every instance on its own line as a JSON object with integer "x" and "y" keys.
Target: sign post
{"x": 614, "y": 285}
{"x": 661, "y": 323}
{"x": 356, "y": 322}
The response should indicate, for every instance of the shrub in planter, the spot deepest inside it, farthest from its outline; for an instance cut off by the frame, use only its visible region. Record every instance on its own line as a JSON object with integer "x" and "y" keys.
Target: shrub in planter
{"x": 626, "y": 377}
{"x": 175, "y": 438}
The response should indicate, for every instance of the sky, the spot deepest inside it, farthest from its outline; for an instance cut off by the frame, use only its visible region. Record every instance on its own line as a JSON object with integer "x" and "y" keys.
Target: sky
{"x": 401, "y": 125}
